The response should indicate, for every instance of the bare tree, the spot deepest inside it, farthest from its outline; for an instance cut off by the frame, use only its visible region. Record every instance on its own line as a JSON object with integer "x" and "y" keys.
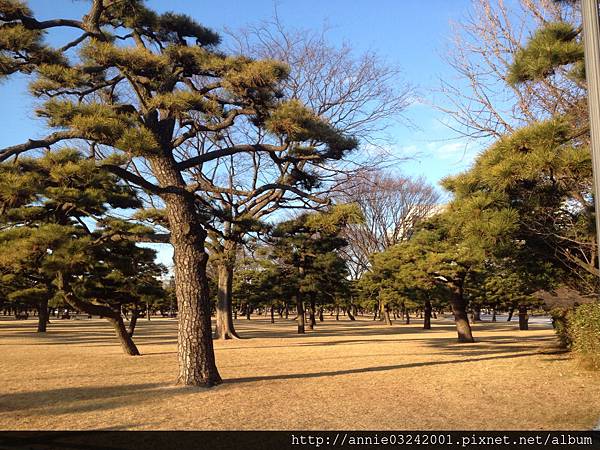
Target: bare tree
{"x": 392, "y": 206}
{"x": 481, "y": 52}
{"x": 358, "y": 95}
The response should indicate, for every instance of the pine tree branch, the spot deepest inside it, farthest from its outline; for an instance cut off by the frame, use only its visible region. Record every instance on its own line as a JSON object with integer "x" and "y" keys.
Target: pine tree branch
{"x": 32, "y": 144}
{"x": 216, "y": 154}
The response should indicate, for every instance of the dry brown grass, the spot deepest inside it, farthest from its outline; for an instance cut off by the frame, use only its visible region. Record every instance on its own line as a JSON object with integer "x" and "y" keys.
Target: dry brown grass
{"x": 345, "y": 375}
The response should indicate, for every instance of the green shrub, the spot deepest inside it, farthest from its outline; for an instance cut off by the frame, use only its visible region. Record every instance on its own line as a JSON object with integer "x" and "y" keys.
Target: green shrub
{"x": 560, "y": 324}
{"x": 584, "y": 331}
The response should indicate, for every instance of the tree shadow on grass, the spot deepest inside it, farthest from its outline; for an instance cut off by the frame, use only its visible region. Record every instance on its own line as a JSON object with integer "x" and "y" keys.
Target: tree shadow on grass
{"x": 373, "y": 369}
{"x": 82, "y": 399}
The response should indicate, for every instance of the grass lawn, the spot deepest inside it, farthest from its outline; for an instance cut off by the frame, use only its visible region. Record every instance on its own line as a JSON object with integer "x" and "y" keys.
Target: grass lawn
{"x": 344, "y": 375}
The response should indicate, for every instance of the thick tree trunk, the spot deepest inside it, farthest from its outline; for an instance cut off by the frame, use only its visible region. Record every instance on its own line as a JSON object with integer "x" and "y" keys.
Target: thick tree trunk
{"x": 407, "y": 316}
{"x": 461, "y": 319}
{"x": 195, "y": 351}
{"x": 124, "y": 337}
{"x": 523, "y": 318}
{"x": 272, "y": 314}
{"x": 427, "y": 315}
{"x": 224, "y": 327}
{"x": 43, "y": 316}
{"x": 133, "y": 322}
{"x": 300, "y": 313}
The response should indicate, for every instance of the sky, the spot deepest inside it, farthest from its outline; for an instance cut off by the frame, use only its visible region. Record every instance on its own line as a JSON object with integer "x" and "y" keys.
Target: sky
{"x": 410, "y": 33}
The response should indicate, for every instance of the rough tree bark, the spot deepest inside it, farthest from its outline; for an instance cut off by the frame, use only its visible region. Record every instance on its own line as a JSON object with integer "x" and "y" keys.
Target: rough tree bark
{"x": 461, "y": 319}
{"x": 224, "y": 327}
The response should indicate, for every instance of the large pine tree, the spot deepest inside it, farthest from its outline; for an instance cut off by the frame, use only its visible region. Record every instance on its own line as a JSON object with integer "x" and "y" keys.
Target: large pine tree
{"x": 143, "y": 85}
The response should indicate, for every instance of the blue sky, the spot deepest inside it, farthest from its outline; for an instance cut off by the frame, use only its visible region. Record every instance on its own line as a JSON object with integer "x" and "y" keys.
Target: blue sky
{"x": 411, "y": 33}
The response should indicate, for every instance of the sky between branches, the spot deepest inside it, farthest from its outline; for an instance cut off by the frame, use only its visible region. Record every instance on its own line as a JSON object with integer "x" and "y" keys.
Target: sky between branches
{"x": 410, "y": 33}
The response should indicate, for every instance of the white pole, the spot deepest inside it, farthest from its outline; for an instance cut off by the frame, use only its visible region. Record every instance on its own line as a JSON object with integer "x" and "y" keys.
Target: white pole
{"x": 591, "y": 42}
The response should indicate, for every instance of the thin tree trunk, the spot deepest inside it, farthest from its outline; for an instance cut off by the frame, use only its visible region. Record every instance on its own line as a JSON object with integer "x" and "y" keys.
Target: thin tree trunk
{"x": 43, "y": 316}
{"x": 351, "y": 313}
{"x": 114, "y": 317}
{"x": 133, "y": 322}
{"x": 287, "y": 310}
{"x": 312, "y": 321}
{"x": 337, "y": 312}
{"x": 476, "y": 314}
{"x": 124, "y": 337}
{"x": 386, "y": 315}
{"x": 461, "y": 319}
{"x": 407, "y": 316}
{"x": 523, "y": 318}
{"x": 511, "y": 310}
{"x": 494, "y": 312}
{"x": 148, "y": 311}
{"x": 300, "y": 312}
{"x": 321, "y": 318}
{"x": 427, "y": 315}
{"x": 224, "y": 328}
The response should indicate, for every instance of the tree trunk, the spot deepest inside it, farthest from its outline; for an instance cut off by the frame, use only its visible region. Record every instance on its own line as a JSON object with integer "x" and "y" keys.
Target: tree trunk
{"x": 386, "y": 315}
{"x": 114, "y": 317}
{"x": 427, "y": 315}
{"x": 312, "y": 321}
{"x": 351, "y": 313}
{"x": 148, "y": 311}
{"x": 321, "y": 318}
{"x": 511, "y": 310}
{"x": 523, "y": 318}
{"x": 133, "y": 322}
{"x": 459, "y": 308}
{"x": 300, "y": 312}
{"x": 43, "y": 316}
{"x": 224, "y": 328}
{"x": 407, "y": 316}
{"x": 494, "y": 313}
{"x": 337, "y": 312}
{"x": 195, "y": 351}
{"x": 476, "y": 314}
{"x": 123, "y": 335}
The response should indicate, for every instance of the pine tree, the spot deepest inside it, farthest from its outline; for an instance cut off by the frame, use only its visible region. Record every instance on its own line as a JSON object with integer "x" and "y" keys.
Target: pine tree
{"x": 308, "y": 244}
{"x": 58, "y": 242}
{"x": 142, "y": 85}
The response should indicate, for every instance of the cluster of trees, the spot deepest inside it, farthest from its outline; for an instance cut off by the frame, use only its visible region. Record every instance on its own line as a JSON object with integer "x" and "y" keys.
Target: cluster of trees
{"x": 208, "y": 144}
{"x": 204, "y": 149}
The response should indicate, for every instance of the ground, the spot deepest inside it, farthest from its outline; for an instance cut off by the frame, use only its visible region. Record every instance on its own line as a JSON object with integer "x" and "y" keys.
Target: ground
{"x": 344, "y": 375}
